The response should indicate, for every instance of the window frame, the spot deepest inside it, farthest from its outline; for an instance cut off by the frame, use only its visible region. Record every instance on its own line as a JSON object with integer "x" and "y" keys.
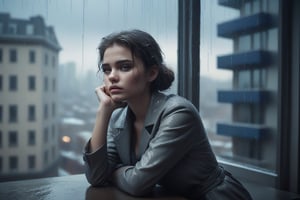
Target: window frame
{"x": 288, "y": 143}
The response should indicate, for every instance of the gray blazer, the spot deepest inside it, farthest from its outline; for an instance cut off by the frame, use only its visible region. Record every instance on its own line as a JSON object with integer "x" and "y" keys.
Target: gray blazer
{"x": 174, "y": 152}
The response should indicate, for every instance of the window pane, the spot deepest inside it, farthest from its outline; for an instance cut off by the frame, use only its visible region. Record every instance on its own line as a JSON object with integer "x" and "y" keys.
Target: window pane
{"x": 32, "y": 56}
{"x": 53, "y": 51}
{"x": 13, "y": 138}
{"x": 1, "y": 82}
{"x": 13, "y": 113}
{"x": 31, "y": 113}
{"x": 31, "y": 138}
{"x": 235, "y": 62}
{"x": 13, "y": 55}
{"x": 31, "y": 83}
{"x": 13, "y": 163}
{"x": 13, "y": 83}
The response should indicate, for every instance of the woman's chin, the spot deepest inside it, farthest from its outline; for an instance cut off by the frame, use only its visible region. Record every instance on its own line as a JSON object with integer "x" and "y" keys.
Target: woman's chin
{"x": 117, "y": 98}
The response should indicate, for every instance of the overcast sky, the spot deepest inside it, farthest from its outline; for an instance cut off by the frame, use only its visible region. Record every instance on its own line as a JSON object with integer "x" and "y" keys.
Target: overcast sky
{"x": 80, "y": 25}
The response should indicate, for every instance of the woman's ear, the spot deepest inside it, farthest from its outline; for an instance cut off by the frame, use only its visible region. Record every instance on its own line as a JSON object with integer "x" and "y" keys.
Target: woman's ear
{"x": 153, "y": 73}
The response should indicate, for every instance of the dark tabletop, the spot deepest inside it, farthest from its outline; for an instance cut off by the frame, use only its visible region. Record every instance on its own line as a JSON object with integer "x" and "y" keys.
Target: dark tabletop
{"x": 73, "y": 187}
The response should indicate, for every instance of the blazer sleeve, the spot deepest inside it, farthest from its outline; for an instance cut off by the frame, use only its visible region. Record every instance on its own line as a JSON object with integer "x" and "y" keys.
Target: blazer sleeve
{"x": 173, "y": 139}
{"x": 100, "y": 164}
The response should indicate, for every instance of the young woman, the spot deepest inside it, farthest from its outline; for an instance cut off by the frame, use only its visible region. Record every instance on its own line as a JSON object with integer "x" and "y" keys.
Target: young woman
{"x": 143, "y": 138}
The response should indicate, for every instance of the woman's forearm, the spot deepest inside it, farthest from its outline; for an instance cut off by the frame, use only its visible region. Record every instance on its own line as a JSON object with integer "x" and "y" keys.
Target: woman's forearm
{"x": 98, "y": 138}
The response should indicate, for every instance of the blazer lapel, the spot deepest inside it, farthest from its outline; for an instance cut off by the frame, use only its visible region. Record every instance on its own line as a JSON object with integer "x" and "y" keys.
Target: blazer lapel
{"x": 122, "y": 139}
{"x": 155, "y": 108}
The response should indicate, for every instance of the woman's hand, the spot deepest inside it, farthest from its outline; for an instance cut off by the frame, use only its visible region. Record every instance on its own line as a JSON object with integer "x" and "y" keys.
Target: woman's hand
{"x": 105, "y": 100}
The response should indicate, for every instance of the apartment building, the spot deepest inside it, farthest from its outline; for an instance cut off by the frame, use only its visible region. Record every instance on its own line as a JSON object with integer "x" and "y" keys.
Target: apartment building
{"x": 29, "y": 52}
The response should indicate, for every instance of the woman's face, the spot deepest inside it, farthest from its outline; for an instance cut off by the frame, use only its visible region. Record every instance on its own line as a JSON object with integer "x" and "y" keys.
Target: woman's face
{"x": 125, "y": 78}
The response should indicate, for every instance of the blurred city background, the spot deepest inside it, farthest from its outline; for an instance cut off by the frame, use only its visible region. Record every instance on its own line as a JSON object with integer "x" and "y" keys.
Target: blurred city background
{"x": 48, "y": 73}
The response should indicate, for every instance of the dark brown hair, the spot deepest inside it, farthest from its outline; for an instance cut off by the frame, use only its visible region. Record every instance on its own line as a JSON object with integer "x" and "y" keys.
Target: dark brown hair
{"x": 143, "y": 46}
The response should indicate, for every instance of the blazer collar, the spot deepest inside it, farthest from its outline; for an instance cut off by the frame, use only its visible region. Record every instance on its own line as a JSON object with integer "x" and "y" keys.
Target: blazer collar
{"x": 124, "y": 119}
{"x": 125, "y": 115}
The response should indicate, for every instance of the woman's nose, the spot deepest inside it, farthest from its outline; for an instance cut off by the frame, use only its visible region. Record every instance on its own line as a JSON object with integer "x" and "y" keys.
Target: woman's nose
{"x": 113, "y": 76}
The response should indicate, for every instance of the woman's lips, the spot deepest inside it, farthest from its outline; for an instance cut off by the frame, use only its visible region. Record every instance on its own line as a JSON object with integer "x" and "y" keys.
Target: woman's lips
{"x": 114, "y": 89}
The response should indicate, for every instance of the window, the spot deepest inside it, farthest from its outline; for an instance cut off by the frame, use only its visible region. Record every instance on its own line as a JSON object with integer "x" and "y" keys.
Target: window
{"x": 1, "y": 82}
{"x": 46, "y": 159}
{"x": 12, "y": 138}
{"x": 53, "y": 150}
{"x": 46, "y": 135}
{"x": 53, "y": 61}
{"x": 45, "y": 84}
{"x": 13, "y": 55}
{"x": 31, "y": 83}
{"x": 31, "y": 113}
{"x": 13, "y": 83}
{"x": 1, "y": 139}
{"x": 13, "y": 113}
{"x": 45, "y": 111}
{"x": 1, "y": 164}
{"x": 46, "y": 59}
{"x": 31, "y": 162}
{"x": 12, "y": 28}
{"x": 31, "y": 138}
{"x": 29, "y": 29}
{"x": 13, "y": 163}
{"x": 32, "y": 56}
{"x": 1, "y": 113}
{"x": 53, "y": 131}
{"x": 53, "y": 109}
{"x": 1, "y": 56}
{"x": 54, "y": 85}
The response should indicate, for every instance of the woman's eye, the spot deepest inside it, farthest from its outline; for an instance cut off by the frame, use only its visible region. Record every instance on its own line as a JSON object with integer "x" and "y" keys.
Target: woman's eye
{"x": 125, "y": 67}
{"x": 106, "y": 70}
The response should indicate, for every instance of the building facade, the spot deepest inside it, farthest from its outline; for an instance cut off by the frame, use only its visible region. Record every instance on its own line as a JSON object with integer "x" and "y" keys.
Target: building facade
{"x": 29, "y": 53}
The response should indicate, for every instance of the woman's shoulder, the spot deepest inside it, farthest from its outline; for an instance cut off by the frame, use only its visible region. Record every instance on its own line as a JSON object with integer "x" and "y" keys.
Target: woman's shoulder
{"x": 174, "y": 101}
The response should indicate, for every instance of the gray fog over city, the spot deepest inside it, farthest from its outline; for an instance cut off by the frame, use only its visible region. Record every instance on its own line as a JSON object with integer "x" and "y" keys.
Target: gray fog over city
{"x": 79, "y": 26}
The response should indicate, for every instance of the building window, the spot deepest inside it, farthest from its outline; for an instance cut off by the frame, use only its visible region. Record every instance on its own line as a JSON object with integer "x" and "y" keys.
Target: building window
{"x": 53, "y": 152}
{"x": 32, "y": 56}
{"x": 1, "y": 164}
{"x": 46, "y": 59}
{"x": 0, "y": 139}
{"x": 12, "y": 138}
{"x": 13, "y": 55}
{"x": 31, "y": 83}
{"x": 12, "y": 29}
{"x": 46, "y": 159}
{"x": 1, "y": 82}
{"x": 31, "y": 162}
{"x": 31, "y": 138}
{"x": 46, "y": 135}
{"x": 13, "y": 163}
{"x": 31, "y": 113}
{"x": 53, "y": 109}
{"x": 1, "y": 56}
{"x": 1, "y": 113}
{"x": 29, "y": 29}
{"x": 45, "y": 111}
{"x": 13, "y": 113}
{"x": 53, "y": 61}
{"x": 53, "y": 85}
{"x": 53, "y": 131}
{"x": 45, "y": 84}
{"x": 13, "y": 83}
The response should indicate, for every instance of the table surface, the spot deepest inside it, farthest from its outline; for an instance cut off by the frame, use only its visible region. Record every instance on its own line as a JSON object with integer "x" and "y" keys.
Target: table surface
{"x": 73, "y": 187}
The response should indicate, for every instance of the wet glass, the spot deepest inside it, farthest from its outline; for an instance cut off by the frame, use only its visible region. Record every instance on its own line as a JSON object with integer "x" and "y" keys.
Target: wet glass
{"x": 52, "y": 125}
{"x": 241, "y": 122}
